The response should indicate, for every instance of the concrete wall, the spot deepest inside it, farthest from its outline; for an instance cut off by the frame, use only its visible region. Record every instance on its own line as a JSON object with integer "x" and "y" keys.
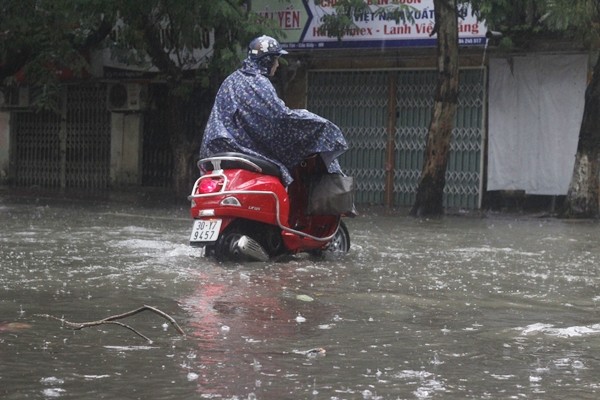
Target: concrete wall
{"x": 126, "y": 149}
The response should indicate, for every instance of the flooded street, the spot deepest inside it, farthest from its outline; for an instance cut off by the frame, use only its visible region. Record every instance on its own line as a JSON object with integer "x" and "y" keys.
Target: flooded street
{"x": 494, "y": 307}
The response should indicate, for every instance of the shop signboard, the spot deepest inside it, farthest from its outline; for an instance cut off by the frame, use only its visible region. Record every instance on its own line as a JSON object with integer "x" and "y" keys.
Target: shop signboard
{"x": 379, "y": 26}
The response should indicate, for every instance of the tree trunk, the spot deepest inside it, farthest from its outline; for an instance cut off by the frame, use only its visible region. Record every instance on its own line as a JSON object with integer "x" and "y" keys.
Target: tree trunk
{"x": 583, "y": 196}
{"x": 183, "y": 177}
{"x": 184, "y": 145}
{"x": 429, "y": 198}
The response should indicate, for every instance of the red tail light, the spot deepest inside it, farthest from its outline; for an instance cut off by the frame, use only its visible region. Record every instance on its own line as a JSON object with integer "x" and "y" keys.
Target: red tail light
{"x": 209, "y": 186}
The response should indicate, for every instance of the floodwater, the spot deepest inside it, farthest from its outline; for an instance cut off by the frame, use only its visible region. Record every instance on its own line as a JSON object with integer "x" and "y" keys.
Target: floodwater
{"x": 488, "y": 307}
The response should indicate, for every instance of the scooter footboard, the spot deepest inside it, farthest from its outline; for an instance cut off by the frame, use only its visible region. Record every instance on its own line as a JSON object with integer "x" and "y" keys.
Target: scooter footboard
{"x": 317, "y": 234}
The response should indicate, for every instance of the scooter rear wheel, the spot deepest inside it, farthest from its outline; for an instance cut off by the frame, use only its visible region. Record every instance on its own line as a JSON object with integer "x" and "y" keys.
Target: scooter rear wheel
{"x": 225, "y": 249}
{"x": 339, "y": 245}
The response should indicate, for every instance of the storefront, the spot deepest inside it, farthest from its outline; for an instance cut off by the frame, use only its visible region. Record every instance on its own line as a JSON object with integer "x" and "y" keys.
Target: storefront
{"x": 377, "y": 83}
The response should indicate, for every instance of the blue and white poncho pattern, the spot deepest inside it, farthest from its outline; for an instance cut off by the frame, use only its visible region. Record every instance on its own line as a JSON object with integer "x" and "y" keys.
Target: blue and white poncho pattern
{"x": 248, "y": 117}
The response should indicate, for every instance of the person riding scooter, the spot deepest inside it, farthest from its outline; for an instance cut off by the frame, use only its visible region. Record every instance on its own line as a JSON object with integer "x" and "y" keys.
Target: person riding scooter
{"x": 248, "y": 117}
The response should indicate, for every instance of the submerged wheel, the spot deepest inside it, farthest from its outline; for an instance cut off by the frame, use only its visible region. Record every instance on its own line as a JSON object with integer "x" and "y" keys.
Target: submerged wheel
{"x": 339, "y": 245}
{"x": 225, "y": 249}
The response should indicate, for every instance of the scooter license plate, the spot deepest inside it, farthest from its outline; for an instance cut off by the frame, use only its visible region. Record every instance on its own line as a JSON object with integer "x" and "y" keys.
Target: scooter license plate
{"x": 205, "y": 230}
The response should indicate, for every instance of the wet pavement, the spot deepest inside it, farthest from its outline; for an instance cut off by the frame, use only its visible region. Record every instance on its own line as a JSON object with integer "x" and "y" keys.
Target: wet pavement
{"x": 485, "y": 307}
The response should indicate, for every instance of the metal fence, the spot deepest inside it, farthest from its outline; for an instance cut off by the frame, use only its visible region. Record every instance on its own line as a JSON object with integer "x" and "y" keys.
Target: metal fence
{"x": 70, "y": 149}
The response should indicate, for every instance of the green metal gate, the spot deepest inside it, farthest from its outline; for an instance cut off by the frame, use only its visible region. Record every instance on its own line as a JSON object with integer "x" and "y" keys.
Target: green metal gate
{"x": 385, "y": 116}
{"x": 357, "y": 103}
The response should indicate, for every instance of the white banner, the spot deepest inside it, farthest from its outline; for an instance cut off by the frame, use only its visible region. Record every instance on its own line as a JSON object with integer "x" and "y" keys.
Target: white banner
{"x": 536, "y": 107}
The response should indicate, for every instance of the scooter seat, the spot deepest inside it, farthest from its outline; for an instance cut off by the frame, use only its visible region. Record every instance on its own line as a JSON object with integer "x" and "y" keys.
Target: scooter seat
{"x": 267, "y": 167}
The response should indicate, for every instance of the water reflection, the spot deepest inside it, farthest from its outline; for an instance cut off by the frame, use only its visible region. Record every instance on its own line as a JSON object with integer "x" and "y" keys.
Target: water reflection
{"x": 244, "y": 320}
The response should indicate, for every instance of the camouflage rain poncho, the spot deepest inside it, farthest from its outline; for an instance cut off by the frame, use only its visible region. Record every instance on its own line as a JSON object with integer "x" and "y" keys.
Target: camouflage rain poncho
{"x": 248, "y": 117}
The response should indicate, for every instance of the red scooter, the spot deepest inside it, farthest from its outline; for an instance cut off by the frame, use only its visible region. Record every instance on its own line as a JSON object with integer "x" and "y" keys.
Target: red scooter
{"x": 243, "y": 212}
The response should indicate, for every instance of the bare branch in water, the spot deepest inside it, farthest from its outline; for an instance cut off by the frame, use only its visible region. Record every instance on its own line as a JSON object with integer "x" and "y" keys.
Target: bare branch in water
{"x": 113, "y": 320}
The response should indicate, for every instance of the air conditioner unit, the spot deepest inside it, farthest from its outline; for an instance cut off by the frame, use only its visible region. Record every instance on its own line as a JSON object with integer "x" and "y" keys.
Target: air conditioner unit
{"x": 14, "y": 97}
{"x": 126, "y": 97}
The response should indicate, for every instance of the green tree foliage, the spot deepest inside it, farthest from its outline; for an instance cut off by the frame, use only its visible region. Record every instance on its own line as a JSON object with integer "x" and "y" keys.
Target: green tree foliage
{"x": 520, "y": 21}
{"x": 579, "y": 18}
{"x": 40, "y": 38}
{"x": 510, "y": 15}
